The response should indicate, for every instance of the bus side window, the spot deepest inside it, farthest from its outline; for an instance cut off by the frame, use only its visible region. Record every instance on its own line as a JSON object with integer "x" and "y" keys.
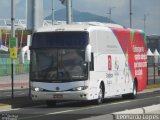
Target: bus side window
{"x": 92, "y": 62}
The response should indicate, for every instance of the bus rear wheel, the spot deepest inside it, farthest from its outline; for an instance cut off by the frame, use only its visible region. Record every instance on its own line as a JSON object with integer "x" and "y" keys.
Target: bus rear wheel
{"x": 133, "y": 94}
{"x": 51, "y": 103}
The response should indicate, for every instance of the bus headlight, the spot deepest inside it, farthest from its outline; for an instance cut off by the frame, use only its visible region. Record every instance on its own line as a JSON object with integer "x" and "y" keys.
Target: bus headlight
{"x": 80, "y": 88}
{"x": 37, "y": 89}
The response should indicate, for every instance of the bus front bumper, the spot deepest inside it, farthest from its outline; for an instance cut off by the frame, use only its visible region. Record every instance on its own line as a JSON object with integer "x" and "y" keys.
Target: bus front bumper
{"x": 67, "y": 95}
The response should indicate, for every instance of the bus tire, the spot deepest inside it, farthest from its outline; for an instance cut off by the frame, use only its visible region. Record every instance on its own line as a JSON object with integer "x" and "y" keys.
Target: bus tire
{"x": 51, "y": 103}
{"x": 100, "y": 98}
{"x": 133, "y": 94}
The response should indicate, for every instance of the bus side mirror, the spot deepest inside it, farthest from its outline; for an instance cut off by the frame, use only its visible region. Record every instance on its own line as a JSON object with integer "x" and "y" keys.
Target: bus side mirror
{"x": 88, "y": 53}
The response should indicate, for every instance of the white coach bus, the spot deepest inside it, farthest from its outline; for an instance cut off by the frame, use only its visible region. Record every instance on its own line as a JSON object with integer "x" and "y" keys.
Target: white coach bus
{"x": 86, "y": 62}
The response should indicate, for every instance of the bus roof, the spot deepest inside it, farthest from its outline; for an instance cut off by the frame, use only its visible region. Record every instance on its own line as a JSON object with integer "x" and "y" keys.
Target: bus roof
{"x": 80, "y": 26}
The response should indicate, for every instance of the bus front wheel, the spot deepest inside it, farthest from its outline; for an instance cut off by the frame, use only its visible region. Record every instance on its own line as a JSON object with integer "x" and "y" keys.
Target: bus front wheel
{"x": 100, "y": 95}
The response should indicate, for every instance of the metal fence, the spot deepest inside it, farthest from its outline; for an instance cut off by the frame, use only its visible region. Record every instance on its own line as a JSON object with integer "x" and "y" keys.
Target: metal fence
{"x": 153, "y": 76}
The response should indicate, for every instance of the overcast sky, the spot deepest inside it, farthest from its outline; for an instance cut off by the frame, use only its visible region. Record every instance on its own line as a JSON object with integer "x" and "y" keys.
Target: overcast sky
{"x": 120, "y": 11}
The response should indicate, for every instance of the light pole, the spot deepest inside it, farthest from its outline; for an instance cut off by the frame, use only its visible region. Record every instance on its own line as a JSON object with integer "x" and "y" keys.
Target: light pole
{"x": 68, "y": 4}
{"x": 145, "y": 19}
{"x": 12, "y": 18}
{"x": 69, "y": 11}
{"x": 26, "y": 13}
{"x": 53, "y": 12}
{"x": 110, "y": 13}
{"x": 130, "y": 13}
{"x": 12, "y": 36}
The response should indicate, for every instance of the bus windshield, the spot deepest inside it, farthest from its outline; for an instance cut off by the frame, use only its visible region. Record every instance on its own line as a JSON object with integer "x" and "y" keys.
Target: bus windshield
{"x": 58, "y": 65}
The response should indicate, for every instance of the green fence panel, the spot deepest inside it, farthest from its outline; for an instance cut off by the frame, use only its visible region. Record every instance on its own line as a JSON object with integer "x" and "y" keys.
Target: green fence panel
{"x": 5, "y": 66}
{"x": 1, "y": 69}
{"x": 8, "y": 66}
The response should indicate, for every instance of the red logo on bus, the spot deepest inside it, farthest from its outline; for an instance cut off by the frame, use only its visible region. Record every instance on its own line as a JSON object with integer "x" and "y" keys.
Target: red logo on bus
{"x": 109, "y": 62}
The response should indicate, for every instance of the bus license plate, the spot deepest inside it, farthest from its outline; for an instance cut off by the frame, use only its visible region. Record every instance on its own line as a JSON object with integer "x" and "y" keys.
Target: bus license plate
{"x": 58, "y": 96}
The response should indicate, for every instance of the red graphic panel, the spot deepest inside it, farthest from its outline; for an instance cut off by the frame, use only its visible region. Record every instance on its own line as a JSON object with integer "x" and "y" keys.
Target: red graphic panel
{"x": 134, "y": 48}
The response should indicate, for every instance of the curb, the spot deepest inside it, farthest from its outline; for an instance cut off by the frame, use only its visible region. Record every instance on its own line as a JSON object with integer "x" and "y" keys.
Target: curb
{"x": 101, "y": 117}
{"x": 132, "y": 111}
{"x": 143, "y": 110}
{"x": 18, "y": 102}
{"x": 152, "y": 109}
{"x": 149, "y": 90}
{"x": 138, "y": 111}
{"x": 5, "y": 107}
